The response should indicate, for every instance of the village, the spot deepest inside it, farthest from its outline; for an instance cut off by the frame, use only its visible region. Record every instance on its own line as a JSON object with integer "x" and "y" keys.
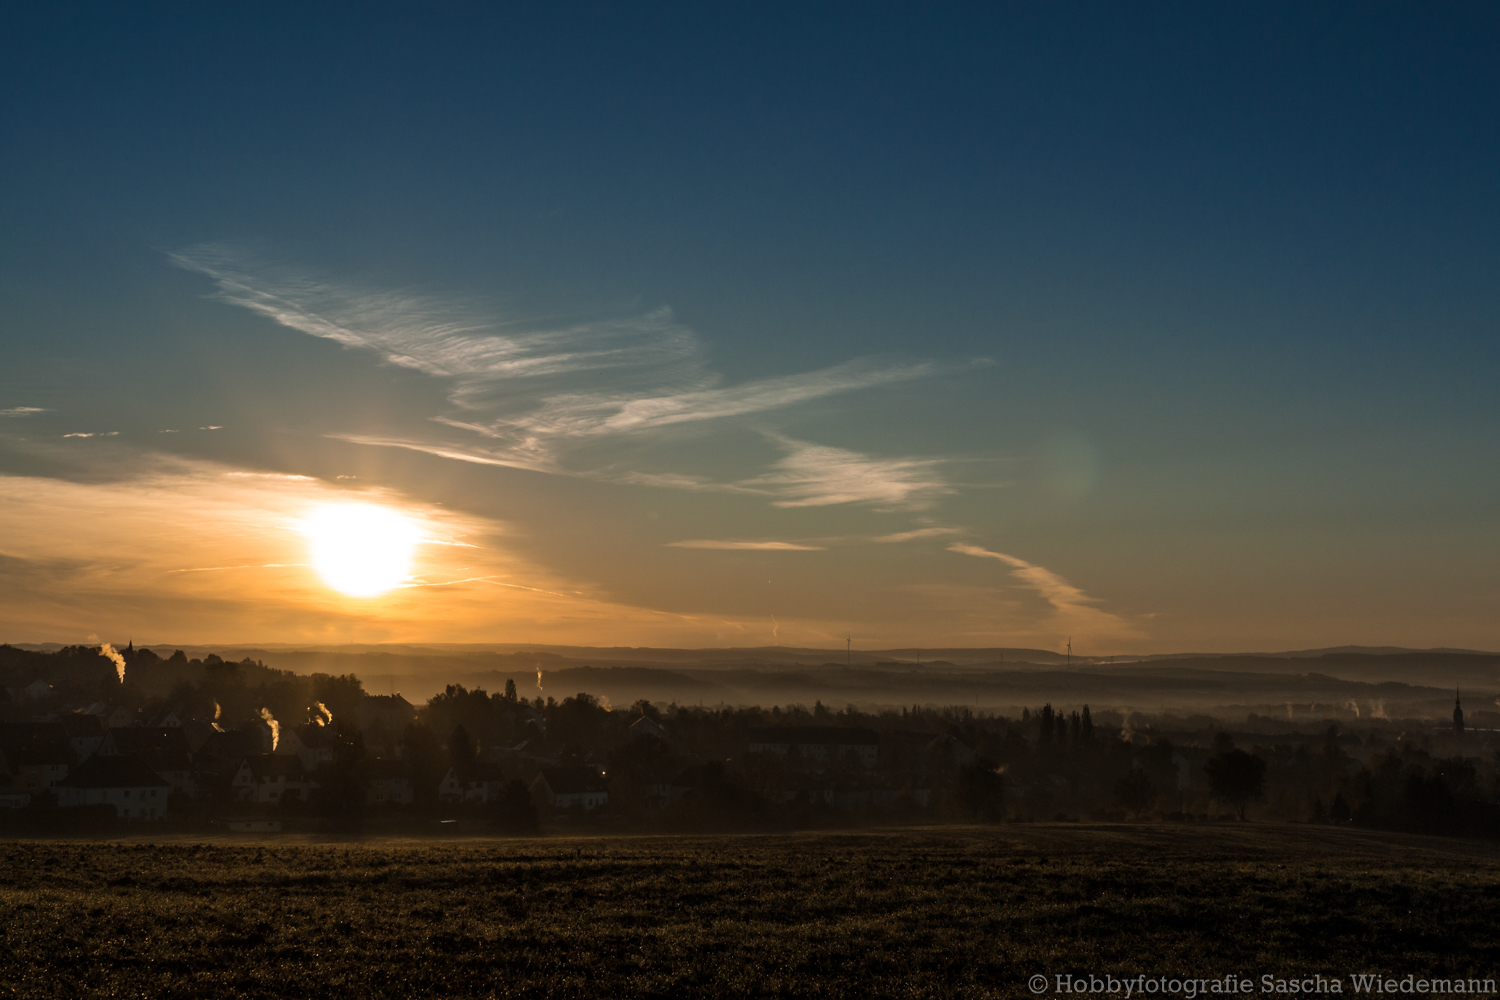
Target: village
{"x": 96, "y": 737}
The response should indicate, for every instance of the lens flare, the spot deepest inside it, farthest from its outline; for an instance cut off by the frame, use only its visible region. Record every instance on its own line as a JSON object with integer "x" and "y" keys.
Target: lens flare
{"x": 360, "y": 549}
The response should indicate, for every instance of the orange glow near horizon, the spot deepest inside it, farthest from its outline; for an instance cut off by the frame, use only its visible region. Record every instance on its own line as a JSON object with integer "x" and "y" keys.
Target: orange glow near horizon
{"x": 360, "y": 549}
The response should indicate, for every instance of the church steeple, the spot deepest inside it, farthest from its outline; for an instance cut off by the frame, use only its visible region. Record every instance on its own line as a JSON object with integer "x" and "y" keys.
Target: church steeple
{"x": 1458, "y": 714}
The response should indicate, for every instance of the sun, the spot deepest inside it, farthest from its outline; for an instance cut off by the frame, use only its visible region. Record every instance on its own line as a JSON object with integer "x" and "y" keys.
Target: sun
{"x": 360, "y": 549}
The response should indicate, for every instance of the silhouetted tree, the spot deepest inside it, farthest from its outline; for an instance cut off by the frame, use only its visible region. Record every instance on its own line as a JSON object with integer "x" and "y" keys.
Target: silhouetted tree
{"x": 461, "y": 749}
{"x": 981, "y": 791}
{"x": 510, "y": 689}
{"x": 514, "y": 810}
{"x": 421, "y": 751}
{"x": 1339, "y": 812}
{"x": 1088, "y": 724}
{"x": 342, "y": 785}
{"x": 1136, "y": 791}
{"x": 1236, "y": 777}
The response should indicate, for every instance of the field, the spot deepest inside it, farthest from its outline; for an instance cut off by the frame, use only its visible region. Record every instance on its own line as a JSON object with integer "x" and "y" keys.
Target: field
{"x": 942, "y": 912}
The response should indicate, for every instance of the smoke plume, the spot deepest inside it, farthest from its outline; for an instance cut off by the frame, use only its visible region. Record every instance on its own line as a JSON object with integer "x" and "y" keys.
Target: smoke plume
{"x": 106, "y": 650}
{"x": 323, "y": 711}
{"x": 265, "y": 714}
{"x": 538, "y": 678}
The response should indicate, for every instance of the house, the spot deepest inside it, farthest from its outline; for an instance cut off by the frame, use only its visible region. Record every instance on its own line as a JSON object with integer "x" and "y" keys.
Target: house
{"x": 566, "y": 787}
{"x": 647, "y": 726}
{"x": 222, "y": 752}
{"x": 522, "y": 758}
{"x": 314, "y": 744}
{"x": 197, "y": 732}
{"x": 11, "y": 796}
{"x": 951, "y": 750}
{"x": 388, "y": 781}
{"x": 84, "y": 733}
{"x": 125, "y": 782}
{"x": 37, "y": 689}
{"x": 37, "y": 753}
{"x": 270, "y": 779}
{"x": 824, "y": 744}
{"x": 477, "y": 782}
{"x": 389, "y": 712}
{"x": 163, "y": 748}
{"x": 111, "y": 717}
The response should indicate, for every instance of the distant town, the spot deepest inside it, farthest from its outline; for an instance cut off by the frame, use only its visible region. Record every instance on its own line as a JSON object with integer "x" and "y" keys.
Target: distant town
{"x": 94, "y": 738}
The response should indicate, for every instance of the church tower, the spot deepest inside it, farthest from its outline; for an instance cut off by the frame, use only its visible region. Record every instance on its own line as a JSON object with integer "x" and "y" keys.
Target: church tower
{"x": 1458, "y": 714}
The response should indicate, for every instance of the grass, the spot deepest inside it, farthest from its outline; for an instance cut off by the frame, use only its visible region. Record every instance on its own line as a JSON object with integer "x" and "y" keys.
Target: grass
{"x": 943, "y": 912}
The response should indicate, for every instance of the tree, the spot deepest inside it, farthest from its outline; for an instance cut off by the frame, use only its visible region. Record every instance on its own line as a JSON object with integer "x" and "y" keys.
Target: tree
{"x": 1088, "y": 725}
{"x": 1136, "y": 791}
{"x": 461, "y": 749}
{"x": 342, "y": 785}
{"x": 514, "y": 810}
{"x": 1236, "y": 777}
{"x": 981, "y": 791}
{"x": 510, "y": 690}
{"x": 1339, "y": 812}
{"x": 421, "y": 751}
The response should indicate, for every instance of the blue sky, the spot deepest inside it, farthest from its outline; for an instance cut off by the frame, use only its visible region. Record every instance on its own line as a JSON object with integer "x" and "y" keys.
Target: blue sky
{"x": 1190, "y": 309}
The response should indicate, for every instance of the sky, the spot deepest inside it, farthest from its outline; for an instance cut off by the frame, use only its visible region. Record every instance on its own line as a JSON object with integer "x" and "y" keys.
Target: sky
{"x": 1160, "y": 327}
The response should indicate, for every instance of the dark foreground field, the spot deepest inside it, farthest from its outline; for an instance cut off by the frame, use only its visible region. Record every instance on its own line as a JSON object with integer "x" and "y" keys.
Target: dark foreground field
{"x": 940, "y": 913}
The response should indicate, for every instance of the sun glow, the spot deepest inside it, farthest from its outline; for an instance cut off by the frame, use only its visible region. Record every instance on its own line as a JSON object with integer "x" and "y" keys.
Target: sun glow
{"x": 360, "y": 549}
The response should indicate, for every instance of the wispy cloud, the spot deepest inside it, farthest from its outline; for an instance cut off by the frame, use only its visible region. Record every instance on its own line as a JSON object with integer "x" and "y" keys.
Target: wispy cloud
{"x": 818, "y": 476}
{"x": 23, "y": 411}
{"x": 90, "y": 434}
{"x": 1069, "y": 602}
{"x": 444, "y": 337}
{"x": 911, "y": 536}
{"x": 534, "y": 393}
{"x": 709, "y": 543}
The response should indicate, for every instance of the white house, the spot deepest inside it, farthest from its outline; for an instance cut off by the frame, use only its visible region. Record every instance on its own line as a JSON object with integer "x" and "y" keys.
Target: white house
{"x": 476, "y": 782}
{"x": 84, "y": 732}
{"x": 136, "y": 791}
{"x": 388, "y": 781}
{"x": 37, "y": 754}
{"x": 163, "y": 748}
{"x": 313, "y": 744}
{"x": 566, "y": 787}
{"x": 270, "y": 779}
